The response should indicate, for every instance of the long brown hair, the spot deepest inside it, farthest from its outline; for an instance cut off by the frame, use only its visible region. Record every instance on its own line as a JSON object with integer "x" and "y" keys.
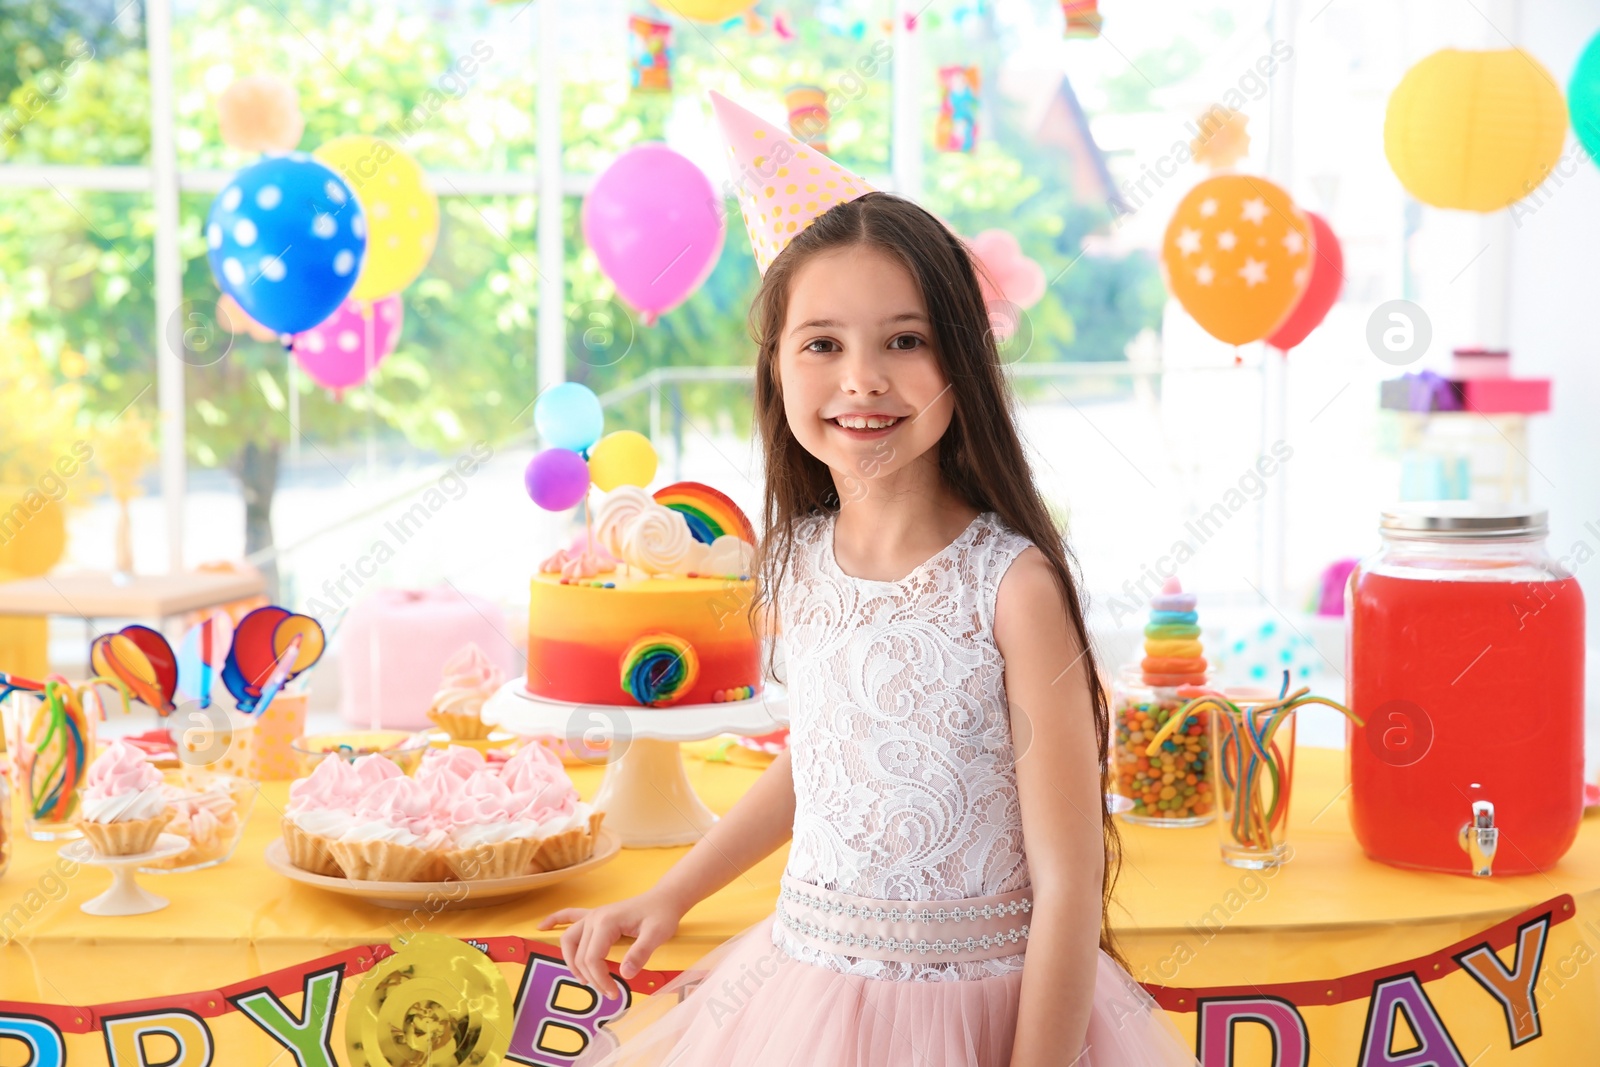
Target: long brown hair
{"x": 980, "y": 454}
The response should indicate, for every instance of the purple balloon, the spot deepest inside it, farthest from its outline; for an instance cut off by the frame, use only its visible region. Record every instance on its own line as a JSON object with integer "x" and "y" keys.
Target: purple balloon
{"x": 655, "y": 223}
{"x": 556, "y": 478}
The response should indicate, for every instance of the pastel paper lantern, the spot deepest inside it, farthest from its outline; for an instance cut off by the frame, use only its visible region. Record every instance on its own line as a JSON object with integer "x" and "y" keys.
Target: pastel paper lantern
{"x": 1583, "y": 98}
{"x": 260, "y": 113}
{"x": 1476, "y": 131}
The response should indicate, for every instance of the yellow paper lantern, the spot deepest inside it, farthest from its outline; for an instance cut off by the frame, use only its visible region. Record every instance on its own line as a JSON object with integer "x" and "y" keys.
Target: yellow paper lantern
{"x": 625, "y": 457}
{"x": 1476, "y": 131}
{"x": 401, "y": 210}
{"x": 707, "y": 10}
{"x": 33, "y": 530}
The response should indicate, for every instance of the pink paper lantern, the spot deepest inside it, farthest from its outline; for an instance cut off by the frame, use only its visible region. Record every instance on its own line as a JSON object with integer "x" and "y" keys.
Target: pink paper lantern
{"x": 339, "y": 351}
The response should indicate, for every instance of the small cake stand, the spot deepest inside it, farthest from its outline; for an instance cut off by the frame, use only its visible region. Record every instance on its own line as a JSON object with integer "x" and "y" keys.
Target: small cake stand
{"x": 645, "y": 794}
{"x": 125, "y": 897}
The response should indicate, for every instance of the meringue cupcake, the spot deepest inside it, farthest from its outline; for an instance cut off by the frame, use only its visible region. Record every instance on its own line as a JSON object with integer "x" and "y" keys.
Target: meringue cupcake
{"x": 566, "y": 826}
{"x": 470, "y": 679}
{"x": 395, "y": 835}
{"x": 319, "y": 812}
{"x": 491, "y": 832}
{"x": 123, "y": 809}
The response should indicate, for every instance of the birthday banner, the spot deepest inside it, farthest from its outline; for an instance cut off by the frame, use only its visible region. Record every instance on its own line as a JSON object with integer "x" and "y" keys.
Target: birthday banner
{"x": 1526, "y": 982}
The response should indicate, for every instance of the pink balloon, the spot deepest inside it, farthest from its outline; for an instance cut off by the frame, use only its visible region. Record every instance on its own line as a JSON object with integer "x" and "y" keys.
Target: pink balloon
{"x": 655, "y": 223}
{"x": 334, "y": 352}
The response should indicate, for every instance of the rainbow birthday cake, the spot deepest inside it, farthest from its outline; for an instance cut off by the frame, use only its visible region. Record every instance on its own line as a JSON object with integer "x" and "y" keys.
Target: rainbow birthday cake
{"x": 651, "y": 610}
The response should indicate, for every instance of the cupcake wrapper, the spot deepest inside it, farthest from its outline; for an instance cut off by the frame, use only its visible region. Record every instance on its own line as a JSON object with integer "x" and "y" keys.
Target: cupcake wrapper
{"x": 505, "y": 859}
{"x": 385, "y": 861}
{"x": 309, "y": 852}
{"x": 461, "y": 727}
{"x": 569, "y": 847}
{"x": 126, "y": 838}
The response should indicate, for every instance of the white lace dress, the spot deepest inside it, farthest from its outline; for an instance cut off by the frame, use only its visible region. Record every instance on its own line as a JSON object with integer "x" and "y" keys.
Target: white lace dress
{"x": 904, "y": 790}
{"x": 900, "y": 738}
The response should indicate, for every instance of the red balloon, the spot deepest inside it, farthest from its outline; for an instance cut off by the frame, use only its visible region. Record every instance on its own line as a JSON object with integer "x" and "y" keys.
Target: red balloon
{"x": 1327, "y": 278}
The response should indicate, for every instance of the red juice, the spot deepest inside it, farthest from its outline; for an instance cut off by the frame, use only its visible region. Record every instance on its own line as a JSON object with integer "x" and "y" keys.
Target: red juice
{"x": 1470, "y": 690}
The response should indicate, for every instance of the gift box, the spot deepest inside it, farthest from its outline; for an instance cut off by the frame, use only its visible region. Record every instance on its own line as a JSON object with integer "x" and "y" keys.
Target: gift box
{"x": 1506, "y": 396}
{"x": 1424, "y": 391}
{"x": 1468, "y": 363}
{"x": 393, "y": 647}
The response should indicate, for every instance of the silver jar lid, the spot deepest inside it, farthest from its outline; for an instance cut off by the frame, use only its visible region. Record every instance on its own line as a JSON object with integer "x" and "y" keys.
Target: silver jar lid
{"x": 1462, "y": 519}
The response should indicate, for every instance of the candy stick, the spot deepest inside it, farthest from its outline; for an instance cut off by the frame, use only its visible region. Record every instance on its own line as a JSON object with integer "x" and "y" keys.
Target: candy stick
{"x": 205, "y": 662}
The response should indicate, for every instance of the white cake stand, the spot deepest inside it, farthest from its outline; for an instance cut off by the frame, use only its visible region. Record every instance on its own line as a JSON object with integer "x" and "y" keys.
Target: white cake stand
{"x": 126, "y": 896}
{"x": 645, "y": 794}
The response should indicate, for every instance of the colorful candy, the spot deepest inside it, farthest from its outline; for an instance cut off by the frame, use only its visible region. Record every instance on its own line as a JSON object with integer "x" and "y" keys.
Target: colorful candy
{"x": 1173, "y": 653}
{"x": 1170, "y": 784}
{"x": 658, "y": 668}
{"x": 1255, "y": 773}
{"x": 52, "y": 753}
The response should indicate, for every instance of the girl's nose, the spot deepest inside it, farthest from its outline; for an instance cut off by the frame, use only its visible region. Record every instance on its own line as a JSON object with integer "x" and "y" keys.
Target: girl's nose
{"x": 861, "y": 375}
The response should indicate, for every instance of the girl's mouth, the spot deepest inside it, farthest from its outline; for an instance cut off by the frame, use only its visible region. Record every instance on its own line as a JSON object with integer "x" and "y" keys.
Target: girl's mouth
{"x": 866, "y": 427}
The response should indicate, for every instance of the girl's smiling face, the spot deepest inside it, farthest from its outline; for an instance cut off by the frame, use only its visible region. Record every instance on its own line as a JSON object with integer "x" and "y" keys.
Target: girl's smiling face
{"x": 863, "y": 388}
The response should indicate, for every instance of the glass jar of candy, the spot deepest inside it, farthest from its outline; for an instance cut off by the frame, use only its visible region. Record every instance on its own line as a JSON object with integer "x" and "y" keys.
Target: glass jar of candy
{"x": 1172, "y": 787}
{"x": 1466, "y": 648}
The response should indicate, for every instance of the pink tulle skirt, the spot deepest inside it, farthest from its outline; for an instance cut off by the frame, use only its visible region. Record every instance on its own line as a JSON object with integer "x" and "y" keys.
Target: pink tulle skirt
{"x": 749, "y": 1004}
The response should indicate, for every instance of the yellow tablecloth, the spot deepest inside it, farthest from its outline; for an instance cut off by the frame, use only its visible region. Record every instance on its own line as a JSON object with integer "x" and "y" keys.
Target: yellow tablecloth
{"x": 1194, "y": 929}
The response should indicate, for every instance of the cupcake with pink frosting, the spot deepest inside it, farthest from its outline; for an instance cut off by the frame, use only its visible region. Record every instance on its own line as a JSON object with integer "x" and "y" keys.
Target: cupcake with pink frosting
{"x": 565, "y": 826}
{"x": 319, "y": 812}
{"x": 395, "y": 835}
{"x": 470, "y": 679}
{"x": 123, "y": 808}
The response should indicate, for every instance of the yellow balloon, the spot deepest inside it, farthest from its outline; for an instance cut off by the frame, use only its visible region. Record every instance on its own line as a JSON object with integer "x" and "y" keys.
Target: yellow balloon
{"x": 625, "y": 457}
{"x": 1476, "y": 131}
{"x": 707, "y": 10}
{"x": 402, "y": 211}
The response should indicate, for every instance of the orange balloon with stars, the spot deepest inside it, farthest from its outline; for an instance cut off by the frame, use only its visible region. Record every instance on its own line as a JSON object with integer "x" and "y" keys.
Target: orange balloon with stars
{"x": 1237, "y": 255}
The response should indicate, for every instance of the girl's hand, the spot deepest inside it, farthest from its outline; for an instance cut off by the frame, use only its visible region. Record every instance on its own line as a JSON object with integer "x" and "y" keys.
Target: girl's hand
{"x": 649, "y": 918}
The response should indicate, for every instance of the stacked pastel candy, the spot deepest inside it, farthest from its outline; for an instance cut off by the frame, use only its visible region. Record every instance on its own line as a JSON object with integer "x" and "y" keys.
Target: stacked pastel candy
{"x": 1175, "y": 783}
{"x": 1173, "y": 655}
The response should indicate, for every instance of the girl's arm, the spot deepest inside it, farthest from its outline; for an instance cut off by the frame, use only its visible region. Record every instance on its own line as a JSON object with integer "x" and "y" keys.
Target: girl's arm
{"x": 758, "y": 823}
{"x": 1058, "y": 785}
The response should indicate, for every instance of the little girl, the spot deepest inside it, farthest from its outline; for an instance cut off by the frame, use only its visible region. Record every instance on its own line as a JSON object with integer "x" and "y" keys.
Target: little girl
{"x": 951, "y": 865}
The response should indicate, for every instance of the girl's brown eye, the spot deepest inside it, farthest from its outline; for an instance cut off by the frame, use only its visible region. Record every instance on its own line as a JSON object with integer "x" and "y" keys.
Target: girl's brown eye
{"x": 912, "y": 338}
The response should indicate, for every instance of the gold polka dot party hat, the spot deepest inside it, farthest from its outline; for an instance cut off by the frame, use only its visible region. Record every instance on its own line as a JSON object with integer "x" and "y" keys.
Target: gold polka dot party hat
{"x": 782, "y": 183}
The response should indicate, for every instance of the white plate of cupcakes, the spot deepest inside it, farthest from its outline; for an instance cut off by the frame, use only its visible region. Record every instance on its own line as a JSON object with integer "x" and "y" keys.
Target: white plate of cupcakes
{"x": 461, "y": 833}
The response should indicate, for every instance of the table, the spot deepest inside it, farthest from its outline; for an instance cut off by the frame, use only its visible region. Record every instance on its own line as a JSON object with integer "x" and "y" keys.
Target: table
{"x": 1319, "y": 940}
{"x": 93, "y": 594}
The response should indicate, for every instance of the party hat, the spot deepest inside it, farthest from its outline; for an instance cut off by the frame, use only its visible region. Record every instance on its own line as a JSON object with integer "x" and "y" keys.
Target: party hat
{"x": 782, "y": 183}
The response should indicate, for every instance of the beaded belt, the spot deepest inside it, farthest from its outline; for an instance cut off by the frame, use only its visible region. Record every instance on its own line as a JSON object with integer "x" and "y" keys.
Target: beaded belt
{"x": 908, "y": 931}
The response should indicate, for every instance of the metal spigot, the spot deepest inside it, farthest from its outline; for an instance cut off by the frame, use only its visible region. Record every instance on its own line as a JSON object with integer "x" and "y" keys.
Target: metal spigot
{"x": 1480, "y": 837}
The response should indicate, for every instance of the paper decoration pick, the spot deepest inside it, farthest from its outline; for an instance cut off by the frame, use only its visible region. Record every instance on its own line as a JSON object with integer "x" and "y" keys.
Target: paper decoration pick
{"x": 650, "y": 55}
{"x": 1237, "y": 255}
{"x": 140, "y": 659}
{"x": 782, "y": 184}
{"x": 957, "y": 129}
{"x": 270, "y": 641}
{"x": 202, "y": 655}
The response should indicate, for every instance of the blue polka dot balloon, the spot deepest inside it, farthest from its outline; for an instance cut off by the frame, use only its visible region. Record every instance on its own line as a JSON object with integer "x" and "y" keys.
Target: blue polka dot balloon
{"x": 286, "y": 239}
